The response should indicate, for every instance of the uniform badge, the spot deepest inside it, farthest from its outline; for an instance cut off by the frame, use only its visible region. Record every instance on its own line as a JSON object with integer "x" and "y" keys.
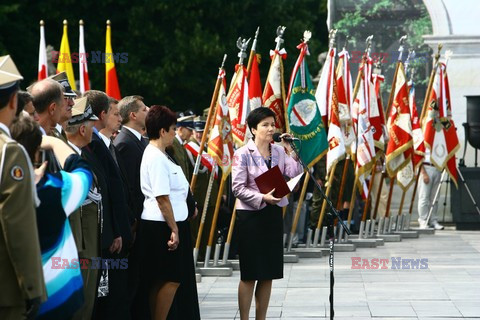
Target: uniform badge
{"x": 17, "y": 173}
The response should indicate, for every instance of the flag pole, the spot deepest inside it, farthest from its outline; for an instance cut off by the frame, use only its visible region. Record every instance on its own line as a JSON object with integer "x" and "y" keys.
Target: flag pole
{"x": 347, "y": 157}
{"x": 424, "y": 107}
{"x": 387, "y": 114}
{"x": 355, "y": 92}
{"x": 226, "y": 249}
{"x": 252, "y": 53}
{"x": 298, "y": 210}
{"x": 208, "y": 124}
{"x": 324, "y": 205}
{"x": 214, "y": 220}
{"x": 204, "y": 215}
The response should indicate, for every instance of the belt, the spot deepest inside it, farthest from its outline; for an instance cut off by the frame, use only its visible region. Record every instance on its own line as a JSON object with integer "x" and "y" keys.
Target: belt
{"x": 428, "y": 164}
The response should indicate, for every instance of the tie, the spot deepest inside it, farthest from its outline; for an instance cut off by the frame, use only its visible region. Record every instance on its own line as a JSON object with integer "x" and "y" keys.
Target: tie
{"x": 111, "y": 148}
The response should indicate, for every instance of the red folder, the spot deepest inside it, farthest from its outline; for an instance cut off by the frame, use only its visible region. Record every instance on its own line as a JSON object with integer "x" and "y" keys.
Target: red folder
{"x": 273, "y": 179}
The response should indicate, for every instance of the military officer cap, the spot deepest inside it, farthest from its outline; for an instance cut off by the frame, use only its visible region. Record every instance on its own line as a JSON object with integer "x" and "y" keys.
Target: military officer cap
{"x": 185, "y": 119}
{"x": 63, "y": 80}
{"x": 9, "y": 76}
{"x": 81, "y": 112}
{"x": 199, "y": 124}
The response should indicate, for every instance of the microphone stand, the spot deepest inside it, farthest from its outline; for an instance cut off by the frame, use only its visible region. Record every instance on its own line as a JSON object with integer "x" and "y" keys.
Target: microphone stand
{"x": 330, "y": 218}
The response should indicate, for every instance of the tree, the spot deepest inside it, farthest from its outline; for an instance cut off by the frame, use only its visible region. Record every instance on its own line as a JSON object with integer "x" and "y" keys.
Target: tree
{"x": 174, "y": 47}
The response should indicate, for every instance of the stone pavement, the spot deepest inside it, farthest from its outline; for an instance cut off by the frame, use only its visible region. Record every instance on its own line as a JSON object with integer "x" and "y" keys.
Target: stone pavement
{"x": 448, "y": 289}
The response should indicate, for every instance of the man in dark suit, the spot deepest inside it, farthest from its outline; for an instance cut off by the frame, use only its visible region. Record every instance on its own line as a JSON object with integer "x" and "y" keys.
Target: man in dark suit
{"x": 115, "y": 305}
{"x": 130, "y": 146}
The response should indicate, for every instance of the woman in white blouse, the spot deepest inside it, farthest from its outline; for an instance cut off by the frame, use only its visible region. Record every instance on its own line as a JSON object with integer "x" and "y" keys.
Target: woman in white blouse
{"x": 164, "y": 231}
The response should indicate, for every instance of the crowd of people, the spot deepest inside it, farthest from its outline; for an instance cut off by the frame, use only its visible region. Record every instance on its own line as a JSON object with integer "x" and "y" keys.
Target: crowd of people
{"x": 98, "y": 218}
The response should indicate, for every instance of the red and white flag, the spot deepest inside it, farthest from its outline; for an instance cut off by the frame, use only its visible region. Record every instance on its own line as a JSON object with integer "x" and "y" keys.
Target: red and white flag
{"x": 344, "y": 96}
{"x": 438, "y": 128}
{"x": 376, "y": 115}
{"x": 220, "y": 144}
{"x": 254, "y": 85}
{"x": 82, "y": 63}
{"x": 42, "y": 55}
{"x": 336, "y": 145}
{"x": 274, "y": 91}
{"x": 364, "y": 144}
{"x": 400, "y": 144}
{"x": 323, "y": 94}
{"x": 417, "y": 133}
{"x": 238, "y": 104}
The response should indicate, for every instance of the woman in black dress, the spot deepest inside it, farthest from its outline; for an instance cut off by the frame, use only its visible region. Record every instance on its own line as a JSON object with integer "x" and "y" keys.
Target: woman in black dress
{"x": 259, "y": 215}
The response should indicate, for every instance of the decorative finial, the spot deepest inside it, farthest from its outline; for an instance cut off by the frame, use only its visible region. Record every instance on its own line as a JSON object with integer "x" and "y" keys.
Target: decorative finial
{"x": 224, "y": 59}
{"x": 80, "y": 22}
{"x": 108, "y": 22}
{"x": 306, "y": 36}
{"x": 331, "y": 36}
{"x": 65, "y": 22}
{"x": 279, "y": 39}
{"x": 42, "y": 23}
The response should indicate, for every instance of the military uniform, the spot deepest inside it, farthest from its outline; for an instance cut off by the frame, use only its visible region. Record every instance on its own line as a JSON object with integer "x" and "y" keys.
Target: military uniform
{"x": 21, "y": 274}
{"x": 85, "y": 224}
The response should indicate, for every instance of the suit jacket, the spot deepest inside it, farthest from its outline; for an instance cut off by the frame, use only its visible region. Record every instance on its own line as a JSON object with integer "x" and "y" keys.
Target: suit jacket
{"x": 178, "y": 152}
{"x": 130, "y": 150}
{"x": 248, "y": 164}
{"x": 114, "y": 199}
{"x": 21, "y": 274}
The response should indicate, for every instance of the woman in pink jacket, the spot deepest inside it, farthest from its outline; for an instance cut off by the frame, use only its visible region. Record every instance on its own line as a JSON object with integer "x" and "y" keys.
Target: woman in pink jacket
{"x": 259, "y": 216}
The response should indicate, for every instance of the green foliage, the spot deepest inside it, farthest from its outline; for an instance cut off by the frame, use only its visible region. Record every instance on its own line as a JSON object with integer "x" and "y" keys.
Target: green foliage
{"x": 388, "y": 20}
{"x": 174, "y": 47}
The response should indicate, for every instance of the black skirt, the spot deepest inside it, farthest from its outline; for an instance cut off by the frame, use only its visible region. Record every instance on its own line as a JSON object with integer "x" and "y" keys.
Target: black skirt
{"x": 160, "y": 265}
{"x": 261, "y": 243}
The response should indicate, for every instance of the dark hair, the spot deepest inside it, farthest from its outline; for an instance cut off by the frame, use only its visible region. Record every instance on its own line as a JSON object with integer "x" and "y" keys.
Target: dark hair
{"x": 27, "y": 132}
{"x": 23, "y": 98}
{"x": 98, "y": 100}
{"x": 52, "y": 91}
{"x": 159, "y": 117}
{"x": 257, "y": 115}
{"x": 6, "y": 96}
{"x": 128, "y": 105}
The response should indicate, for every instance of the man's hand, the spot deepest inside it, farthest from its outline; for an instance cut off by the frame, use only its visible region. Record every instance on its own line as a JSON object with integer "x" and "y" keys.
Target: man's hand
{"x": 425, "y": 177}
{"x": 116, "y": 246}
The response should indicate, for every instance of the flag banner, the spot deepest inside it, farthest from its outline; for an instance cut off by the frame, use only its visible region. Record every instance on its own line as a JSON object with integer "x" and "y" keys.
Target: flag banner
{"x": 325, "y": 86}
{"x": 377, "y": 117}
{"x": 254, "y": 85}
{"x": 112, "y": 88}
{"x": 439, "y": 129}
{"x": 42, "y": 55}
{"x": 207, "y": 160}
{"x": 274, "y": 91}
{"x": 336, "y": 145}
{"x": 65, "y": 59}
{"x": 417, "y": 133}
{"x": 238, "y": 103}
{"x": 82, "y": 63}
{"x": 304, "y": 116}
{"x": 400, "y": 143}
{"x": 220, "y": 144}
{"x": 344, "y": 96}
{"x": 364, "y": 145}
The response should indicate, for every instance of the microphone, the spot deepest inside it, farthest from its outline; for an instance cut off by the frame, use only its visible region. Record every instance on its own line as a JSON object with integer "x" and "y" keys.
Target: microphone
{"x": 277, "y": 138}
